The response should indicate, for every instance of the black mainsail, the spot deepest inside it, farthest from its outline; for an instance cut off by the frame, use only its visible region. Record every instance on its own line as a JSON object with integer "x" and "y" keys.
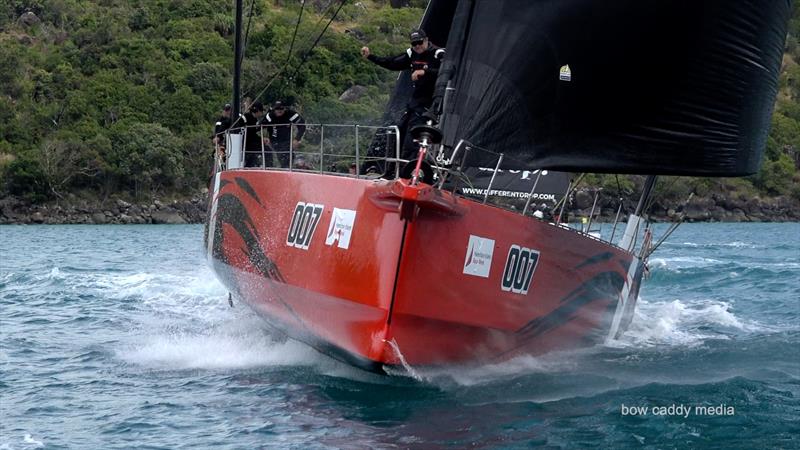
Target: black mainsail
{"x": 673, "y": 87}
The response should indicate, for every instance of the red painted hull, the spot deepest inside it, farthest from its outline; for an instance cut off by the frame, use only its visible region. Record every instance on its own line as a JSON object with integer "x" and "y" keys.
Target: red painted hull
{"x": 371, "y": 270}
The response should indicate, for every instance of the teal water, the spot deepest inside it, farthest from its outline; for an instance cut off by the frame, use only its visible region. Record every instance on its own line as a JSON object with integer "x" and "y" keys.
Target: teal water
{"x": 120, "y": 337}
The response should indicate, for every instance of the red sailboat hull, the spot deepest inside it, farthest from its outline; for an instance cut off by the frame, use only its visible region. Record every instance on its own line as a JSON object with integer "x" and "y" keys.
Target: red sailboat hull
{"x": 382, "y": 273}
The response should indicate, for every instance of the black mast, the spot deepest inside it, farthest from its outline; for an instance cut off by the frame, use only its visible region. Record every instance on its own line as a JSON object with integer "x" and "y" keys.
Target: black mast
{"x": 237, "y": 61}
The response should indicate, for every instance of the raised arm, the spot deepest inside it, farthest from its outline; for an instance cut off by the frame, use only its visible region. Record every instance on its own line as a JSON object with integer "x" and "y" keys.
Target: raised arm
{"x": 399, "y": 62}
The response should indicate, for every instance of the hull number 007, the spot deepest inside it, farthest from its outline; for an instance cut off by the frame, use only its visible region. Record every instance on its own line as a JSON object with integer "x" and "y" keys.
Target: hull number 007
{"x": 304, "y": 221}
{"x": 518, "y": 273}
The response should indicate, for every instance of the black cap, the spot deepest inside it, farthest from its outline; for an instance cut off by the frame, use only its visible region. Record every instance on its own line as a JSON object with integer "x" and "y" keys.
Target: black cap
{"x": 417, "y": 35}
{"x": 278, "y": 105}
{"x": 257, "y": 106}
{"x": 227, "y": 107}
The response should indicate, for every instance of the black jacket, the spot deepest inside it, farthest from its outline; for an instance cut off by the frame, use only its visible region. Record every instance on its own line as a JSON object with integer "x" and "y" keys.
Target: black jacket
{"x": 281, "y": 134}
{"x": 222, "y": 125}
{"x": 429, "y": 61}
{"x": 253, "y": 136}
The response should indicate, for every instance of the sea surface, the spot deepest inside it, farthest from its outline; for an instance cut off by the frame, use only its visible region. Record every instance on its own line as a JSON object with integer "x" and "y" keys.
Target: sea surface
{"x": 121, "y": 337}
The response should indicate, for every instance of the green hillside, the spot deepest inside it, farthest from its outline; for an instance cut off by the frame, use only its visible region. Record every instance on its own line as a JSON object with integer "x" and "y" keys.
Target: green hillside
{"x": 117, "y": 98}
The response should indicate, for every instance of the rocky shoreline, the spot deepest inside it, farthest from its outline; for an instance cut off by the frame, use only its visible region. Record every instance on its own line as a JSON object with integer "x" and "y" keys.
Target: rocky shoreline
{"x": 192, "y": 210}
{"x": 113, "y": 211}
{"x": 712, "y": 208}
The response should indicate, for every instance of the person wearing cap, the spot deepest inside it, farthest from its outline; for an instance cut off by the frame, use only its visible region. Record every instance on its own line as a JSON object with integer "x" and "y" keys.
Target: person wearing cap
{"x": 253, "y": 143}
{"x": 279, "y": 123}
{"x": 223, "y": 123}
{"x": 423, "y": 60}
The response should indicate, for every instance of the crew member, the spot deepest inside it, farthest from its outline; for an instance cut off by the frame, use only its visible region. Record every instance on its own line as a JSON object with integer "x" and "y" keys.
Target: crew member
{"x": 278, "y": 123}
{"x": 253, "y": 144}
{"x": 423, "y": 59}
{"x": 221, "y": 126}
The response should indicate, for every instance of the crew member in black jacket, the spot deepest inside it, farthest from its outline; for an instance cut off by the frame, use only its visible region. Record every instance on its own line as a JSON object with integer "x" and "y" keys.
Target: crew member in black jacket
{"x": 423, "y": 59}
{"x": 280, "y": 134}
{"x": 254, "y": 144}
{"x": 221, "y": 126}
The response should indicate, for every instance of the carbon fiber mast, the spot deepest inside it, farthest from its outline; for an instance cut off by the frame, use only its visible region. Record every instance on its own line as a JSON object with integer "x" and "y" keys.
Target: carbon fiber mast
{"x": 237, "y": 60}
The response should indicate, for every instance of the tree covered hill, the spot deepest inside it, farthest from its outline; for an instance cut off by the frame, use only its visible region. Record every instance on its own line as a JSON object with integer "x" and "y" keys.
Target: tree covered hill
{"x": 117, "y": 97}
{"x": 120, "y": 96}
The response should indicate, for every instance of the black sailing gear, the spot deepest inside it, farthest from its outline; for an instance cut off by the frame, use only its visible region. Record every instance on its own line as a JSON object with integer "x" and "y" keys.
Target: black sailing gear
{"x": 429, "y": 61}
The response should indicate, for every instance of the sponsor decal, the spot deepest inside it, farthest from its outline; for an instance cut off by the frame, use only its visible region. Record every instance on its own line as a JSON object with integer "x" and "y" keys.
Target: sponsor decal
{"x": 565, "y": 74}
{"x": 304, "y": 222}
{"x": 479, "y": 256}
{"x": 518, "y": 272}
{"x": 513, "y": 194}
{"x": 341, "y": 227}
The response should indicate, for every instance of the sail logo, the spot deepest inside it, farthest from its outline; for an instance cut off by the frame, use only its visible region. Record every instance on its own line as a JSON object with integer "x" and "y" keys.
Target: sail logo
{"x": 565, "y": 74}
{"x": 304, "y": 222}
{"x": 478, "y": 261}
{"x": 341, "y": 228}
{"x": 518, "y": 272}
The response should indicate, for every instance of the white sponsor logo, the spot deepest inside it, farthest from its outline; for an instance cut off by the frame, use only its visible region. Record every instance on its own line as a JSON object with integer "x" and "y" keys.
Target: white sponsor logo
{"x": 341, "y": 227}
{"x": 479, "y": 256}
{"x": 565, "y": 74}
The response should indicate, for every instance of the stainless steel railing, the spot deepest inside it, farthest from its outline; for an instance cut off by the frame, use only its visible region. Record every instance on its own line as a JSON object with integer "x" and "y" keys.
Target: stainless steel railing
{"x": 324, "y": 148}
{"x": 338, "y": 149}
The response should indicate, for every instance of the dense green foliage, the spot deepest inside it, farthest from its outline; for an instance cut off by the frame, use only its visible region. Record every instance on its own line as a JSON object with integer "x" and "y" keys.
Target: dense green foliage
{"x": 118, "y": 96}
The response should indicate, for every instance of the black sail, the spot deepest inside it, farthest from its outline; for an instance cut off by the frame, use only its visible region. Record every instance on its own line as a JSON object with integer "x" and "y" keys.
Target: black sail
{"x": 673, "y": 87}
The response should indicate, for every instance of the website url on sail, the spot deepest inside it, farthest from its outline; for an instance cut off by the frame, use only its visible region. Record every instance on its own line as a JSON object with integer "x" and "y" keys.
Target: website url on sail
{"x": 513, "y": 194}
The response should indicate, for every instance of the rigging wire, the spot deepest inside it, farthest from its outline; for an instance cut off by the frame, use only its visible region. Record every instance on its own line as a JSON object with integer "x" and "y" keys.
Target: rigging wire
{"x": 674, "y": 226}
{"x": 241, "y": 57}
{"x": 307, "y": 53}
{"x": 666, "y": 188}
{"x": 294, "y": 35}
{"x": 247, "y": 31}
{"x": 573, "y": 185}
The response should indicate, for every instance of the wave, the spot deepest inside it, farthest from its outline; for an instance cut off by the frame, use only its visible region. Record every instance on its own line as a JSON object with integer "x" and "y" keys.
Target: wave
{"x": 660, "y": 327}
{"x": 683, "y": 262}
{"x": 684, "y": 323}
{"x": 736, "y": 244}
{"x": 239, "y": 343}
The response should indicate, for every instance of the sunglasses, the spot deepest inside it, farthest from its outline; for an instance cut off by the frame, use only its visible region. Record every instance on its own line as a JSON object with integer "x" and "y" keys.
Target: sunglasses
{"x": 280, "y": 109}
{"x": 416, "y": 43}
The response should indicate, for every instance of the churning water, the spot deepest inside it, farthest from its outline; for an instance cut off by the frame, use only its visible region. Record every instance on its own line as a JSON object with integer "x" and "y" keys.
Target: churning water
{"x": 120, "y": 337}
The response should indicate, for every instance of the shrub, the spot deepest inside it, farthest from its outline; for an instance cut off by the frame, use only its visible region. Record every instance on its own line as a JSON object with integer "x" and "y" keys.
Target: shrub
{"x": 25, "y": 179}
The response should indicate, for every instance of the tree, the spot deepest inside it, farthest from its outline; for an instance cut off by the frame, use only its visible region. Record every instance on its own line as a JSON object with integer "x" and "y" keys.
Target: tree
{"x": 145, "y": 156}
{"x": 65, "y": 158}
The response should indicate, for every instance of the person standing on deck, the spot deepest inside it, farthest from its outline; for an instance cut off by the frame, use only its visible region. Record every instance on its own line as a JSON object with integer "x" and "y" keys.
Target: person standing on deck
{"x": 253, "y": 144}
{"x": 278, "y": 123}
{"x": 423, "y": 59}
{"x": 221, "y": 126}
